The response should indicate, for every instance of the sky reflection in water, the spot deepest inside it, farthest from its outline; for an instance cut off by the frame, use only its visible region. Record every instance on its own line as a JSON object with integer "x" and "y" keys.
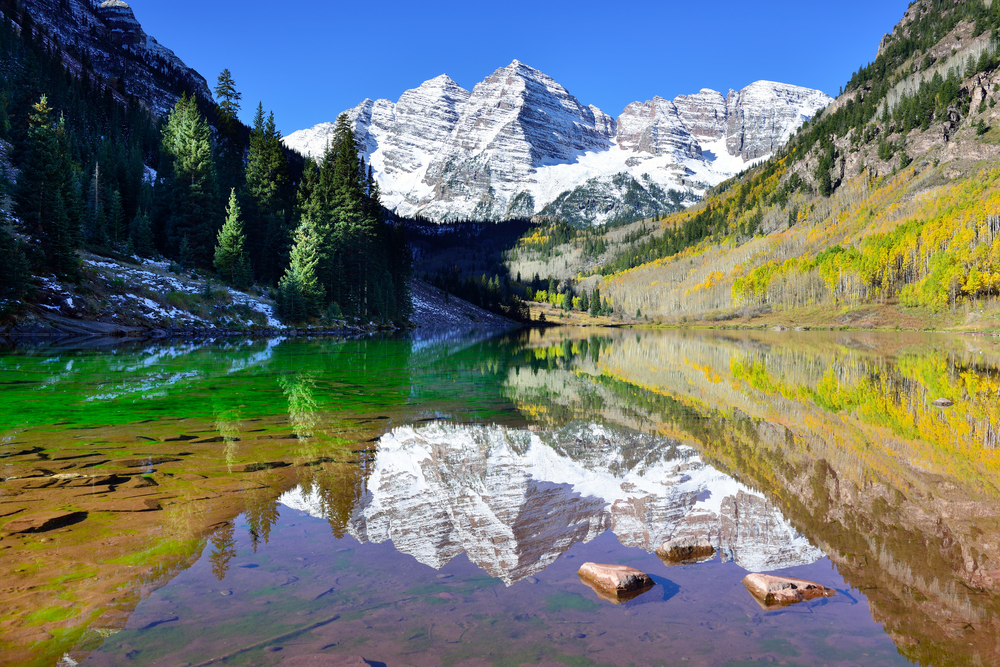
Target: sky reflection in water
{"x": 499, "y": 467}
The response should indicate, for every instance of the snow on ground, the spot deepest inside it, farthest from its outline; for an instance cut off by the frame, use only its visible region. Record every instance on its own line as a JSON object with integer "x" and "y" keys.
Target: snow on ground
{"x": 147, "y": 295}
{"x": 437, "y": 316}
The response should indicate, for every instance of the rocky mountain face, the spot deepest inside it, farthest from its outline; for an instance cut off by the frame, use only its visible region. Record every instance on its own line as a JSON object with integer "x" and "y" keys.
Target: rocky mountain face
{"x": 519, "y": 141}
{"x": 112, "y": 41}
{"x": 514, "y": 500}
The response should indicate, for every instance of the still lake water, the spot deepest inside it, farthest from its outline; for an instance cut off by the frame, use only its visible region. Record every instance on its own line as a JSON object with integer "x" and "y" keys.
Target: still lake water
{"x": 429, "y": 503}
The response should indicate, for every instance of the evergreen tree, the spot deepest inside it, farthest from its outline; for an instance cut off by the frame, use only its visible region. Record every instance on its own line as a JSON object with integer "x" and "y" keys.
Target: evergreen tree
{"x": 229, "y": 100}
{"x": 267, "y": 184}
{"x": 229, "y": 249}
{"x": 47, "y": 197}
{"x": 15, "y": 273}
{"x": 584, "y": 302}
{"x": 187, "y": 186}
{"x": 300, "y": 292}
{"x": 116, "y": 219}
{"x": 243, "y": 273}
{"x": 141, "y": 236}
{"x": 230, "y": 145}
{"x": 595, "y": 302}
{"x": 185, "y": 256}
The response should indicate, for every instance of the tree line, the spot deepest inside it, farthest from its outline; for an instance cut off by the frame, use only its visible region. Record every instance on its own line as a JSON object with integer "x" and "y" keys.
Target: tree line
{"x": 197, "y": 188}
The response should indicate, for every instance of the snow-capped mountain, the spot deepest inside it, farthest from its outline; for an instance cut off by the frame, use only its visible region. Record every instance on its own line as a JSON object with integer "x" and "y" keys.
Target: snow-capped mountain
{"x": 515, "y": 500}
{"x": 520, "y": 141}
{"x": 115, "y": 45}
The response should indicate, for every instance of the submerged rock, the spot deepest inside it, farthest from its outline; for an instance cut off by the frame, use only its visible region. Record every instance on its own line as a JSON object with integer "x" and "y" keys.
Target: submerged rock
{"x": 685, "y": 551}
{"x": 615, "y": 583}
{"x": 771, "y": 591}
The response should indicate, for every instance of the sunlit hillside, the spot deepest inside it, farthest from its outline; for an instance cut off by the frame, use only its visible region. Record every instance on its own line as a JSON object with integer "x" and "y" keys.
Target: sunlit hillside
{"x": 881, "y": 211}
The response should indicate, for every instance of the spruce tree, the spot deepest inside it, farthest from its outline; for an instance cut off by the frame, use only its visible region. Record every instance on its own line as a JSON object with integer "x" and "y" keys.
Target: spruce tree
{"x": 230, "y": 144}
{"x": 229, "y": 249}
{"x": 268, "y": 187}
{"x": 185, "y": 255}
{"x": 243, "y": 273}
{"x": 15, "y": 273}
{"x": 300, "y": 292}
{"x": 595, "y": 302}
{"x": 187, "y": 197}
{"x": 116, "y": 219}
{"x": 141, "y": 236}
{"x": 47, "y": 200}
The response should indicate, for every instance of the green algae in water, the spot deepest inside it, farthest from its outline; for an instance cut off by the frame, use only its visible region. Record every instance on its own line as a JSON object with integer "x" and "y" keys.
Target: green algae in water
{"x": 49, "y": 392}
{"x": 562, "y": 601}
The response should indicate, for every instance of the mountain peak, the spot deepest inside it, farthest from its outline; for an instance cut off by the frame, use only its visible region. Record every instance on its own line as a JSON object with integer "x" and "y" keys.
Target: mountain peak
{"x": 519, "y": 140}
{"x": 441, "y": 81}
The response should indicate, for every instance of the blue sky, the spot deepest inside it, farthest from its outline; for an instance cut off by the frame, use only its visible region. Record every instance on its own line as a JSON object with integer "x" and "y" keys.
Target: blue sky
{"x": 309, "y": 60}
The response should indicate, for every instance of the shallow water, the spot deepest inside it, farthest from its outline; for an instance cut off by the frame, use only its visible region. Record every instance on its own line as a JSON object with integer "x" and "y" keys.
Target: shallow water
{"x": 430, "y": 504}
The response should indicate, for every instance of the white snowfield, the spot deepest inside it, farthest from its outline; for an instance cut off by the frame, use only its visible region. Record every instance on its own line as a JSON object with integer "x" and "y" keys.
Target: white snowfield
{"x": 518, "y": 140}
{"x": 515, "y": 500}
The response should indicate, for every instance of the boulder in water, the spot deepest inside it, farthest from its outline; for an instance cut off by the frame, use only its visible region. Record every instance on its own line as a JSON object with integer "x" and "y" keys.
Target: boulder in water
{"x": 771, "y": 591}
{"x": 615, "y": 583}
{"x": 685, "y": 551}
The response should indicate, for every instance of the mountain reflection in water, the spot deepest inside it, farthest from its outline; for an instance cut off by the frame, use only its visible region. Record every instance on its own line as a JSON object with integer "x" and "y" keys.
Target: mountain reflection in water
{"x": 515, "y": 500}
{"x": 515, "y": 456}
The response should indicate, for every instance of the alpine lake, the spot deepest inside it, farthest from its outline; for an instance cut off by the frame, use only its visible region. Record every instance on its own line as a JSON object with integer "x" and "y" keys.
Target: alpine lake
{"x": 392, "y": 501}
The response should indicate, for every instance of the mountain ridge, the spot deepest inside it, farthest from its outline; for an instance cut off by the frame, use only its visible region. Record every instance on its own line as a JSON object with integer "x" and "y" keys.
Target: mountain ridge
{"x": 116, "y": 47}
{"x": 519, "y": 140}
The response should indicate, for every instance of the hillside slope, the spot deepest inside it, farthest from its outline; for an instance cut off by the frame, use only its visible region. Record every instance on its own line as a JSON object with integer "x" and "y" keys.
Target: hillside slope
{"x": 890, "y": 198}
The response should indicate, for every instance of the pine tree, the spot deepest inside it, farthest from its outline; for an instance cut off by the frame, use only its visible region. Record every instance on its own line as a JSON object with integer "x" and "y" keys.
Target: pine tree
{"x": 230, "y": 145}
{"x": 243, "y": 273}
{"x": 268, "y": 187}
{"x": 187, "y": 197}
{"x": 595, "y": 302}
{"x": 116, "y": 219}
{"x": 300, "y": 292}
{"x": 47, "y": 200}
{"x": 185, "y": 256}
{"x": 15, "y": 273}
{"x": 229, "y": 249}
{"x": 229, "y": 99}
{"x": 584, "y": 302}
{"x": 141, "y": 236}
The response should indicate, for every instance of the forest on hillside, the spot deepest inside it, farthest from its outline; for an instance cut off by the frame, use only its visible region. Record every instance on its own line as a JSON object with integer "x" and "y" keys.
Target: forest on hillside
{"x": 88, "y": 166}
{"x": 888, "y": 197}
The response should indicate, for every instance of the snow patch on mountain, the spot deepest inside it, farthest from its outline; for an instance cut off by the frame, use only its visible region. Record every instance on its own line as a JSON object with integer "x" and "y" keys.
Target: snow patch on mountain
{"x": 519, "y": 141}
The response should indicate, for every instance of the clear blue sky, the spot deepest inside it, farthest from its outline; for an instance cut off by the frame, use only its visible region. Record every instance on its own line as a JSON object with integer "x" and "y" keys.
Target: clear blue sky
{"x": 311, "y": 59}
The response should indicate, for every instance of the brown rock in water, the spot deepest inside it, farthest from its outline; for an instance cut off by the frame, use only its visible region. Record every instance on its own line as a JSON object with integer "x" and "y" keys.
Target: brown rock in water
{"x": 43, "y": 521}
{"x": 323, "y": 660}
{"x": 133, "y": 505}
{"x": 142, "y": 463}
{"x": 139, "y": 483}
{"x": 771, "y": 591}
{"x": 685, "y": 551}
{"x": 75, "y": 481}
{"x": 943, "y": 403}
{"x": 615, "y": 583}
